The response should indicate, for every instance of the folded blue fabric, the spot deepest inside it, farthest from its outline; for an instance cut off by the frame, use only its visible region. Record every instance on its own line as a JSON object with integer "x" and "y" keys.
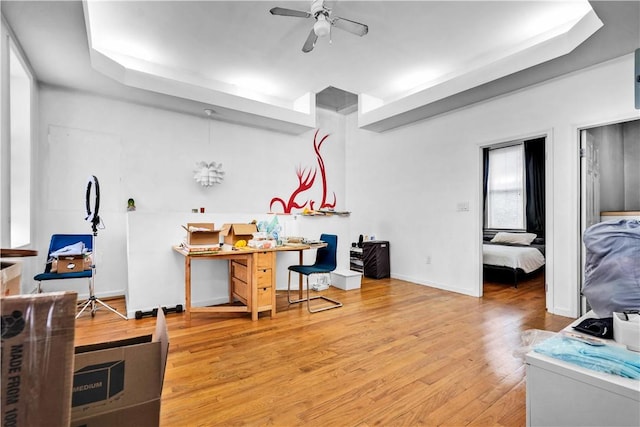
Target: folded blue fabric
{"x": 609, "y": 359}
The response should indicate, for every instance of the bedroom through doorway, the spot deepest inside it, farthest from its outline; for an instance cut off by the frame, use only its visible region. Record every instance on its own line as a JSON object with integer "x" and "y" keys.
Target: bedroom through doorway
{"x": 513, "y": 217}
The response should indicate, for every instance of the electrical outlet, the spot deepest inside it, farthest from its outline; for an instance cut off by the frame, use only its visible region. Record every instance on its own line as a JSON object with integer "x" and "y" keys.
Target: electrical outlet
{"x": 428, "y": 259}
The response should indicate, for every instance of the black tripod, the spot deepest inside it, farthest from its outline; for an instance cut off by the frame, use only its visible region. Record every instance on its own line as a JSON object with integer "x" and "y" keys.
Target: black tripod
{"x": 92, "y": 216}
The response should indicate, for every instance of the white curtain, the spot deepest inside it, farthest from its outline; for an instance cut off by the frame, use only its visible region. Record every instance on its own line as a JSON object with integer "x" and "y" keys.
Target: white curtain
{"x": 505, "y": 188}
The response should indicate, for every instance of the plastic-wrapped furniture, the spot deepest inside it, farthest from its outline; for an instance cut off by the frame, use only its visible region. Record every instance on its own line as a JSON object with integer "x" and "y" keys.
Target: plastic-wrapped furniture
{"x": 612, "y": 266}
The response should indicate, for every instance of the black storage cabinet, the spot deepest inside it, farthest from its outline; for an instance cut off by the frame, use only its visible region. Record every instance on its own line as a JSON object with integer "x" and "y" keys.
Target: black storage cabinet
{"x": 375, "y": 257}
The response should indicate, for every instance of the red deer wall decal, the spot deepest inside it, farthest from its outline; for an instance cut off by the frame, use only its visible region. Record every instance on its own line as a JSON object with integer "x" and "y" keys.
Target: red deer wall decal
{"x": 306, "y": 179}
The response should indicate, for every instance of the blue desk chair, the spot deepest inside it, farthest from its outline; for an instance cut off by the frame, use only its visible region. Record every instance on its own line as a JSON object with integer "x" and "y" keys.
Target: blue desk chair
{"x": 59, "y": 241}
{"x": 325, "y": 263}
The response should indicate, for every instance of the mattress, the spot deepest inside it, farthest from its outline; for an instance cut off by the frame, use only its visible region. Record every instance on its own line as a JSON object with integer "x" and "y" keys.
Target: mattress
{"x": 526, "y": 258}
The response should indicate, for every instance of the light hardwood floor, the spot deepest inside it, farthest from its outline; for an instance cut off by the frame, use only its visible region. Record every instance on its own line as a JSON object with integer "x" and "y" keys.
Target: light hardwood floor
{"x": 396, "y": 354}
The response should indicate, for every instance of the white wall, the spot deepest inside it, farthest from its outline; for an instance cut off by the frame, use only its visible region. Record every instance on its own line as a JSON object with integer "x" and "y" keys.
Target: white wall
{"x": 149, "y": 154}
{"x": 415, "y": 177}
{"x": 403, "y": 185}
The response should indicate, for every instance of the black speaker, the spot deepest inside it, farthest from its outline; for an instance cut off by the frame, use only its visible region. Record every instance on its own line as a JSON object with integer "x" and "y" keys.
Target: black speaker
{"x": 636, "y": 78}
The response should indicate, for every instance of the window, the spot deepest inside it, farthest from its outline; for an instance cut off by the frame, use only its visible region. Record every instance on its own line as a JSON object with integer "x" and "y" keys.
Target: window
{"x": 16, "y": 145}
{"x": 505, "y": 199}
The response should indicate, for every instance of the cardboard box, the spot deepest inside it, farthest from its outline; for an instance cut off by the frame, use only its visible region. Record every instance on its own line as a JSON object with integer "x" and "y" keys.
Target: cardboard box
{"x": 120, "y": 383}
{"x": 201, "y": 237}
{"x": 346, "y": 279}
{"x": 37, "y": 358}
{"x": 87, "y": 261}
{"x": 10, "y": 276}
{"x": 234, "y": 232}
{"x": 70, "y": 263}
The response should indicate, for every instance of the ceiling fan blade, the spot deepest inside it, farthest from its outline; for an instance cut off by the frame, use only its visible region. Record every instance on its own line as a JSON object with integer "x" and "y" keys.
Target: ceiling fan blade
{"x": 289, "y": 12}
{"x": 311, "y": 42}
{"x": 351, "y": 26}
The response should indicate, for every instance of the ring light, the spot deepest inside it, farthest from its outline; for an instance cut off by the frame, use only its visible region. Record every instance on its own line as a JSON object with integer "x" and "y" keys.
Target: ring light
{"x": 92, "y": 214}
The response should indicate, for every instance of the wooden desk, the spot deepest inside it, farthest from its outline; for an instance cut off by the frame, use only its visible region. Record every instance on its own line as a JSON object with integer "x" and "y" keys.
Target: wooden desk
{"x": 252, "y": 279}
{"x": 15, "y": 253}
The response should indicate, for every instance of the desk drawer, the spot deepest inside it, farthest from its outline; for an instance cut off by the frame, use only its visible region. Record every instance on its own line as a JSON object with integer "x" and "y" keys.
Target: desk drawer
{"x": 239, "y": 271}
{"x": 264, "y": 296}
{"x": 240, "y": 289}
{"x": 264, "y": 277}
{"x": 264, "y": 259}
{"x": 241, "y": 261}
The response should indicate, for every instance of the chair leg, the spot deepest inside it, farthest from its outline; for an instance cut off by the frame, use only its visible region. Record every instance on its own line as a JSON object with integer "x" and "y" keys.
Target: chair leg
{"x": 334, "y": 303}
{"x": 37, "y": 289}
{"x": 295, "y": 301}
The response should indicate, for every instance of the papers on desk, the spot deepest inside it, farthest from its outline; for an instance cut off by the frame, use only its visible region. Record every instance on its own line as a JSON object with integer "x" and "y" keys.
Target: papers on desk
{"x": 74, "y": 249}
{"x": 199, "y": 249}
{"x": 312, "y": 242}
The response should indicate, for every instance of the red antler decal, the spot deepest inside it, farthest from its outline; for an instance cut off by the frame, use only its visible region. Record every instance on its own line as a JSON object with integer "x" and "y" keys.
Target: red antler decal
{"x": 323, "y": 173}
{"x": 305, "y": 182}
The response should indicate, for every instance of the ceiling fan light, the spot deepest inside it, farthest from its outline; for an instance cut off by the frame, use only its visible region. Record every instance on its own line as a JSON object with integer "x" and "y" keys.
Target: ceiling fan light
{"x": 321, "y": 27}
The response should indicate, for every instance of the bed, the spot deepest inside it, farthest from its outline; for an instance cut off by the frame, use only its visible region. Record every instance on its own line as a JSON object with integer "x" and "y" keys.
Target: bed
{"x": 515, "y": 255}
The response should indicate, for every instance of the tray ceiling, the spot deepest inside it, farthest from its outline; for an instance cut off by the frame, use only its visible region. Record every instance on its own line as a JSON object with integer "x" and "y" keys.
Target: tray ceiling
{"x": 246, "y": 64}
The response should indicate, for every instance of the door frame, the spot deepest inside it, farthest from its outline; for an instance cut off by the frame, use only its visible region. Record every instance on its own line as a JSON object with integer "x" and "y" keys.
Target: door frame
{"x": 547, "y": 134}
{"x": 581, "y": 303}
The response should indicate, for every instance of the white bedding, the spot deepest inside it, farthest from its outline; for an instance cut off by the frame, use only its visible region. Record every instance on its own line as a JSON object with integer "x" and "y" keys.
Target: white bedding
{"x": 526, "y": 258}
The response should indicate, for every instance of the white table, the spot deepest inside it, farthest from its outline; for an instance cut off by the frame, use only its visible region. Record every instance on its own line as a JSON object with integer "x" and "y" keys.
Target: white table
{"x": 563, "y": 394}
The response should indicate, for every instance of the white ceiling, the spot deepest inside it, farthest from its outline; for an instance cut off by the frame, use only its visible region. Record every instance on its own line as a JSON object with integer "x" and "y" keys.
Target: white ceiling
{"x": 239, "y": 43}
{"x": 248, "y": 65}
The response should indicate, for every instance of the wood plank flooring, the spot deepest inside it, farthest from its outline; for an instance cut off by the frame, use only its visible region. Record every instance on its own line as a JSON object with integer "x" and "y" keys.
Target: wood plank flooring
{"x": 396, "y": 354}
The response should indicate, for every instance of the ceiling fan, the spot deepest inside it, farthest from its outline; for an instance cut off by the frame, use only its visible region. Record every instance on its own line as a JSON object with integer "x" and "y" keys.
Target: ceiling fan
{"x": 323, "y": 24}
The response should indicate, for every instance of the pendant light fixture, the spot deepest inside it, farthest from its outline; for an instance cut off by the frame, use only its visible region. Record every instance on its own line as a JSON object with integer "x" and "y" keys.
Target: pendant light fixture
{"x": 208, "y": 173}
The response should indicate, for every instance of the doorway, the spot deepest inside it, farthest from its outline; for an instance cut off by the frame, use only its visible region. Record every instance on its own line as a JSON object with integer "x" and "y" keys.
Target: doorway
{"x": 609, "y": 179}
{"x": 513, "y": 206}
